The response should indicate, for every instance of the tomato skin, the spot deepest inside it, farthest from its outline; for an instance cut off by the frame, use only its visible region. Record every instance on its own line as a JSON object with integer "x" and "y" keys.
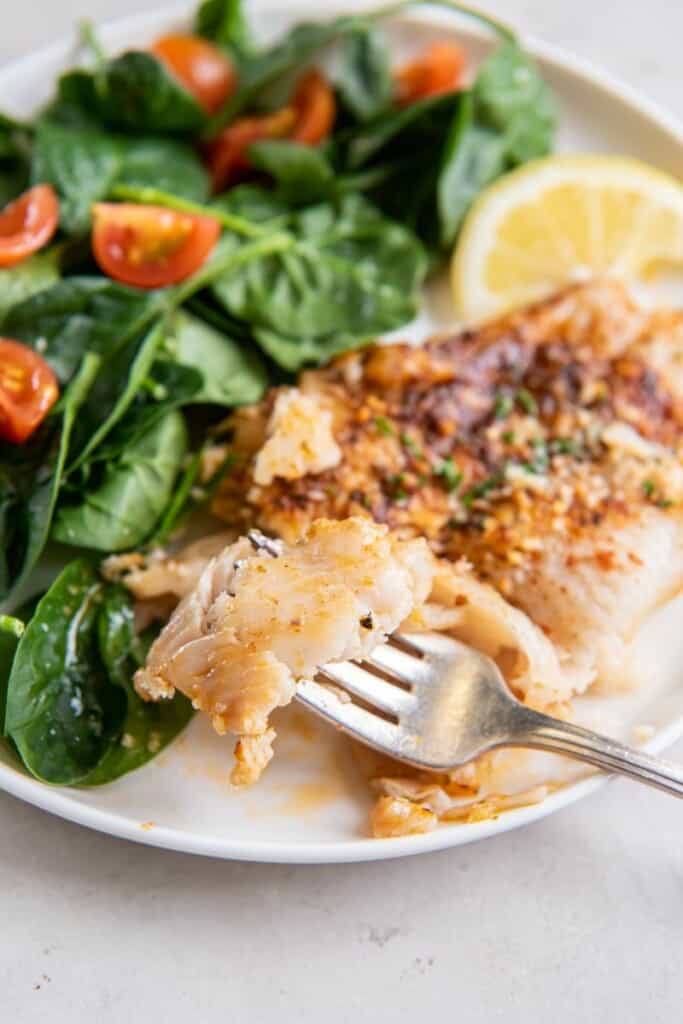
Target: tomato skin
{"x": 226, "y": 156}
{"x": 27, "y": 224}
{"x": 308, "y": 119}
{"x": 28, "y": 390}
{"x": 150, "y": 246}
{"x": 201, "y": 67}
{"x": 440, "y": 70}
{"x": 315, "y": 108}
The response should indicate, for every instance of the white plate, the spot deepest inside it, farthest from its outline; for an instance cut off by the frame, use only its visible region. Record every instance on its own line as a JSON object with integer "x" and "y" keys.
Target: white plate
{"x": 310, "y": 806}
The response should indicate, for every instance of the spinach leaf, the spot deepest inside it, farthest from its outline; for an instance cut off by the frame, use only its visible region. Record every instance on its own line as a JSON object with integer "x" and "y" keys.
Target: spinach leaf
{"x": 182, "y": 362}
{"x": 62, "y": 711}
{"x": 14, "y": 159}
{"x": 25, "y": 279}
{"x": 364, "y": 80}
{"x": 166, "y": 164}
{"x": 81, "y": 314}
{"x": 30, "y": 499}
{"x": 232, "y": 375}
{"x": 302, "y": 173}
{"x": 85, "y": 165}
{"x": 122, "y": 510}
{"x": 10, "y": 634}
{"x": 510, "y": 97}
{"x": 147, "y": 728}
{"x": 474, "y": 156}
{"x": 81, "y": 165}
{"x": 224, "y": 22}
{"x": 141, "y": 95}
{"x": 76, "y": 103}
{"x": 348, "y": 273}
{"x": 292, "y": 353}
{"x": 506, "y": 120}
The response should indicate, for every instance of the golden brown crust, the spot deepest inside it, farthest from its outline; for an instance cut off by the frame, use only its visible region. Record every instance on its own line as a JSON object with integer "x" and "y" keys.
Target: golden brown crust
{"x": 487, "y": 440}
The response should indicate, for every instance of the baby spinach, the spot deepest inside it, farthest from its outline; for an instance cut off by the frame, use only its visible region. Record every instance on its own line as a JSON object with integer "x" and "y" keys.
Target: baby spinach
{"x": 14, "y": 158}
{"x": 506, "y": 120}
{"x": 232, "y": 375}
{"x": 81, "y": 314}
{"x": 147, "y": 727}
{"x": 224, "y": 22}
{"x": 25, "y": 279}
{"x": 348, "y": 273}
{"x": 62, "y": 711}
{"x": 141, "y": 95}
{"x": 121, "y": 511}
{"x": 85, "y": 165}
{"x": 302, "y": 174}
{"x": 364, "y": 79}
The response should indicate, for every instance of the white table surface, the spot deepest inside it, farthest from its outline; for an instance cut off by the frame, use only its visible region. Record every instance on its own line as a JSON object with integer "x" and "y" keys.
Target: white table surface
{"x": 576, "y": 919}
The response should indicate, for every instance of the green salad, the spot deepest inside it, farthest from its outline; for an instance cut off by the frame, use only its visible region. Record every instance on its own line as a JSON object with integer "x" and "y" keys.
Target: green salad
{"x": 184, "y": 225}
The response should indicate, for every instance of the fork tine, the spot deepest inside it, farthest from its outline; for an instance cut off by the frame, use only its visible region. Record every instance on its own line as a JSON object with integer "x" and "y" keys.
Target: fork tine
{"x": 349, "y": 716}
{"x": 368, "y": 686}
{"x": 396, "y": 662}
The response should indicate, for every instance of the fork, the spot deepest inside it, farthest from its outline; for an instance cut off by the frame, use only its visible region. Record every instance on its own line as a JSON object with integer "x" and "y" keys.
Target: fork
{"x": 435, "y": 703}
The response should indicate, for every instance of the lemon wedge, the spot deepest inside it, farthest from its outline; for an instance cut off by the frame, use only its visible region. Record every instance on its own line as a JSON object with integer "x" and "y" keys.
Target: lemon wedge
{"x": 561, "y": 219}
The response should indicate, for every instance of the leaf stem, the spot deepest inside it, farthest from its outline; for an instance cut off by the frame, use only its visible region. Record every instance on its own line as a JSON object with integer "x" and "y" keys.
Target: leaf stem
{"x": 8, "y": 624}
{"x": 89, "y": 41}
{"x": 156, "y": 197}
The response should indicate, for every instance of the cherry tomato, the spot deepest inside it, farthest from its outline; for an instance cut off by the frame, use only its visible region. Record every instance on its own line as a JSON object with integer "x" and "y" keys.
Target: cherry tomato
{"x": 150, "y": 246}
{"x": 28, "y": 224}
{"x": 226, "y": 156}
{"x": 308, "y": 119}
{"x": 28, "y": 390}
{"x": 439, "y": 70}
{"x": 315, "y": 108}
{"x": 201, "y": 67}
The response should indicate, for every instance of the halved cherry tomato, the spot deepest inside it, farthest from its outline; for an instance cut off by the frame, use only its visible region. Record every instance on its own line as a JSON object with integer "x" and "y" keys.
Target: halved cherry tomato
{"x": 150, "y": 246}
{"x": 315, "y": 108}
{"x": 308, "y": 119}
{"x": 226, "y": 156}
{"x": 201, "y": 67}
{"x": 439, "y": 70}
{"x": 28, "y": 224}
{"x": 28, "y": 390}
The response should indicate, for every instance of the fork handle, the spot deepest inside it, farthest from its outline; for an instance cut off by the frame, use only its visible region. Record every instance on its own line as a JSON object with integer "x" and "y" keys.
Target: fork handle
{"x": 545, "y": 733}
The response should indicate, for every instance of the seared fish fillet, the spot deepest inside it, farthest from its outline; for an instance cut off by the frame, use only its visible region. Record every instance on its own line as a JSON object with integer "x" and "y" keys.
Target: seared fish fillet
{"x": 545, "y": 448}
{"x": 254, "y": 624}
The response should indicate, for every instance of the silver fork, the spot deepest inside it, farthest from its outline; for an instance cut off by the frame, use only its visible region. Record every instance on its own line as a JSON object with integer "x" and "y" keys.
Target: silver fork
{"x": 436, "y": 704}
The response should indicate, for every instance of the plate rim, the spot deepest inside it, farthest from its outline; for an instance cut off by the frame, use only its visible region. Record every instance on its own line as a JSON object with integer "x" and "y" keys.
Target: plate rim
{"x": 60, "y": 802}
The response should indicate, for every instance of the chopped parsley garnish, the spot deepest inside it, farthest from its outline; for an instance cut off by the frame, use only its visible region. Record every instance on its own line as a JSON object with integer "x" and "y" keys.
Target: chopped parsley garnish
{"x": 412, "y": 447}
{"x": 502, "y": 406}
{"x": 384, "y": 426}
{"x": 564, "y": 446}
{"x": 527, "y": 402}
{"x": 450, "y": 474}
{"x": 648, "y": 488}
{"x": 508, "y": 437}
{"x": 481, "y": 489}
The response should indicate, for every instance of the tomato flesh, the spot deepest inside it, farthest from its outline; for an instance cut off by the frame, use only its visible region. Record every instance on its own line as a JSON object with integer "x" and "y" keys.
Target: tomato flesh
{"x": 440, "y": 70}
{"x": 28, "y": 390}
{"x": 308, "y": 119}
{"x": 27, "y": 224}
{"x": 201, "y": 67}
{"x": 150, "y": 246}
{"x": 226, "y": 156}
{"x": 315, "y": 108}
